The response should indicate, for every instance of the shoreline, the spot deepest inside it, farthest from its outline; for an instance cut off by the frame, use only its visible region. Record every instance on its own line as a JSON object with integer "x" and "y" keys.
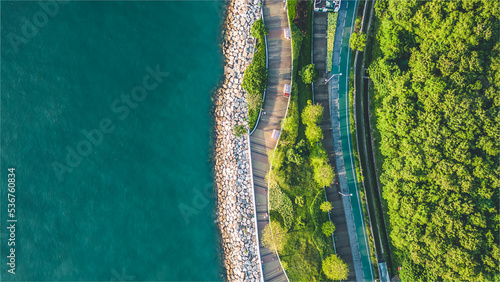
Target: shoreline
{"x": 232, "y": 167}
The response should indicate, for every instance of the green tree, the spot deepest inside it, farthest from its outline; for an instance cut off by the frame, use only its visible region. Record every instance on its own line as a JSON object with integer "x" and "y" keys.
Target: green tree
{"x": 259, "y": 29}
{"x": 312, "y": 114}
{"x": 358, "y": 41}
{"x": 334, "y": 268}
{"x": 328, "y": 228}
{"x": 274, "y": 236}
{"x": 323, "y": 174}
{"x": 314, "y": 133}
{"x": 295, "y": 154}
{"x": 326, "y": 206}
{"x": 309, "y": 74}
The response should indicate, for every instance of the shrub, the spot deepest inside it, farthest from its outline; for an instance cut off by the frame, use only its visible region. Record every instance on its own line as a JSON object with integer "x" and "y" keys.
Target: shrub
{"x": 328, "y": 228}
{"x": 255, "y": 76}
{"x": 299, "y": 200}
{"x": 335, "y": 269}
{"x": 323, "y": 174}
{"x": 291, "y": 124}
{"x": 326, "y": 206}
{"x": 274, "y": 236}
{"x": 254, "y": 82}
{"x": 330, "y": 41}
{"x": 259, "y": 29}
{"x": 295, "y": 154}
{"x": 312, "y": 114}
{"x": 314, "y": 133}
{"x": 309, "y": 74}
{"x": 358, "y": 41}
{"x": 239, "y": 130}
{"x": 318, "y": 218}
{"x": 280, "y": 202}
{"x": 299, "y": 223}
{"x": 297, "y": 38}
{"x": 276, "y": 157}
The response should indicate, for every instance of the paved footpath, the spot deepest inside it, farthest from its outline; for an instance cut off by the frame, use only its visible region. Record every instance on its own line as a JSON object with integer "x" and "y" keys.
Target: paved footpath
{"x": 339, "y": 112}
{"x": 321, "y": 96}
{"x": 275, "y": 105}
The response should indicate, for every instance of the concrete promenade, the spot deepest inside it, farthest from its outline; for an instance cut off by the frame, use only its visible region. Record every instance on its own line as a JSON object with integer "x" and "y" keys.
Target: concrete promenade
{"x": 275, "y": 105}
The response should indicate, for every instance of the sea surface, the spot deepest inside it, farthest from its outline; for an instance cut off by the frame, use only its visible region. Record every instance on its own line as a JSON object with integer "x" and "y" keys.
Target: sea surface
{"x": 105, "y": 117}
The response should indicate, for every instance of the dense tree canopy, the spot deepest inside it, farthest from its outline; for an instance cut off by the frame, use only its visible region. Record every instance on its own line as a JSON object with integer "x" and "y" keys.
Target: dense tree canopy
{"x": 438, "y": 84}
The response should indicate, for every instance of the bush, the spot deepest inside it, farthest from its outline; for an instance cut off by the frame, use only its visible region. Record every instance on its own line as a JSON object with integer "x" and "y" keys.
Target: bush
{"x": 254, "y": 82}
{"x": 358, "y": 41}
{"x": 335, "y": 269}
{"x": 326, "y": 206}
{"x": 239, "y": 130}
{"x": 255, "y": 76}
{"x": 312, "y": 114}
{"x": 295, "y": 154}
{"x": 328, "y": 228}
{"x": 280, "y": 202}
{"x": 309, "y": 74}
{"x": 297, "y": 38}
{"x": 274, "y": 236}
{"x": 323, "y": 174}
{"x": 318, "y": 218}
{"x": 291, "y": 124}
{"x": 259, "y": 30}
{"x": 330, "y": 40}
{"x": 299, "y": 200}
{"x": 314, "y": 133}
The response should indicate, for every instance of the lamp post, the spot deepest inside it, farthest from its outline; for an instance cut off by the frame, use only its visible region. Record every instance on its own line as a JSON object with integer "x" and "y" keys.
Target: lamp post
{"x": 327, "y": 80}
{"x": 345, "y": 195}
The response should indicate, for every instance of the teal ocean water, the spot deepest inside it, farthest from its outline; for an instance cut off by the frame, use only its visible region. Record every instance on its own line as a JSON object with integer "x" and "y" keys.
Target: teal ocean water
{"x": 105, "y": 116}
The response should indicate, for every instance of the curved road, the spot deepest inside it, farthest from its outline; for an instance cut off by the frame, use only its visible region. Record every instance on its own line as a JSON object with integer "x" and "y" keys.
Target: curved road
{"x": 275, "y": 105}
{"x": 339, "y": 112}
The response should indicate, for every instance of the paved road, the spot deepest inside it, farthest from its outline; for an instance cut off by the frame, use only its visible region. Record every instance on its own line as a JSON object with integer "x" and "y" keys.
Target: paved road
{"x": 275, "y": 105}
{"x": 339, "y": 110}
{"x": 321, "y": 97}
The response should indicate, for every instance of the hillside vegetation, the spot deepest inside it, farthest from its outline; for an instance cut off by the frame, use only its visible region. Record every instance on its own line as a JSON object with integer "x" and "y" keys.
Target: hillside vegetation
{"x": 437, "y": 107}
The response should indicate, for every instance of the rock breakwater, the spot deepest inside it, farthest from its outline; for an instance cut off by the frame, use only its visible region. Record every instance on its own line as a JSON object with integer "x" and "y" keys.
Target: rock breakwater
{"x": 235, "y": 207}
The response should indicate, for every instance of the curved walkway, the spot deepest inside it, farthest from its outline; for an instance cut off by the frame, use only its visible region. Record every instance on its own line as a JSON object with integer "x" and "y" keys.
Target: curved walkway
{"x": 275, "y": 105}
{"x": 339, "y": 111}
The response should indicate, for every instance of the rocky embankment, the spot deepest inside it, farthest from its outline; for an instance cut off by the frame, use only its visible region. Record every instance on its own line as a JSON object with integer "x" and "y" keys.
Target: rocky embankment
{"x": 235, "y": 209}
